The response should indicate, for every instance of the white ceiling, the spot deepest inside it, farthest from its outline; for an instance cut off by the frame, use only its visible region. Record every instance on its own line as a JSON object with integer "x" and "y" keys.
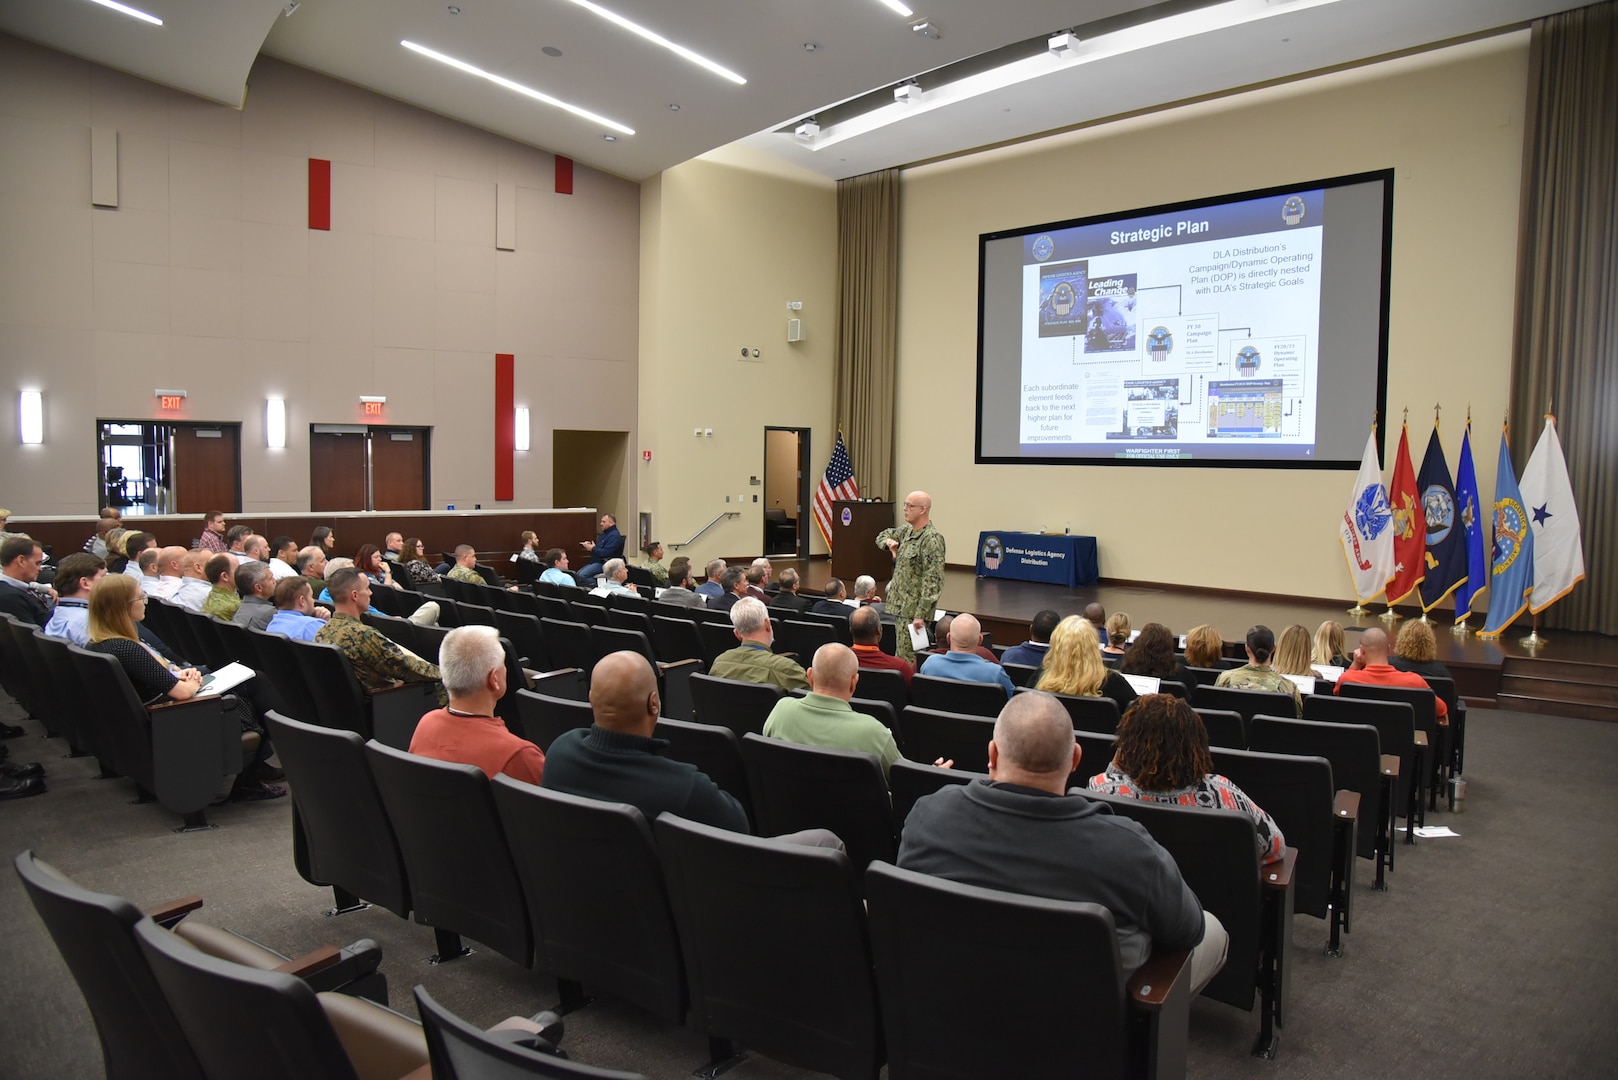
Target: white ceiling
{"x": 207, "y": 47}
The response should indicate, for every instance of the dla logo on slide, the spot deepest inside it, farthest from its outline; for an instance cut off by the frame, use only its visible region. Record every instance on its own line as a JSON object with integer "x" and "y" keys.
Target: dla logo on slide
{"x": 1439, "y": 509}
{"x": 1372, "y": 513}
{"x": 992, "y": 552}
{"x": 1044, "y": 246}
{"x": 1292, "y": 210}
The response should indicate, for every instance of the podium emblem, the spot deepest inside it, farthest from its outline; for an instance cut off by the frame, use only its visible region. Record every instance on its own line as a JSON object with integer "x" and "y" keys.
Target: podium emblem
{"x": 848, "y": 516}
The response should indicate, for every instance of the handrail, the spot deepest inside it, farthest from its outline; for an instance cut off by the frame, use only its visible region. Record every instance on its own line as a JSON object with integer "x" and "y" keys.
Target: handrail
{"x": 705, "y": 528}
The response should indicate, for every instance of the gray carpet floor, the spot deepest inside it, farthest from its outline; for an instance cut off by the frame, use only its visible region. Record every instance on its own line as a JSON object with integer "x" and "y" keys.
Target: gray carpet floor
{"x": 1493, "y": 955}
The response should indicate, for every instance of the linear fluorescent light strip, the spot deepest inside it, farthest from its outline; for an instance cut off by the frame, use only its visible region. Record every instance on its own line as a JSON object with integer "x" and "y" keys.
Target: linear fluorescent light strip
{"x": 517, "y": 87}
{"x": 1132, "y": 39}
{"x": 898, "y": 7}
{"x": 680, "y": 50}
{"x": 124, "y": 9}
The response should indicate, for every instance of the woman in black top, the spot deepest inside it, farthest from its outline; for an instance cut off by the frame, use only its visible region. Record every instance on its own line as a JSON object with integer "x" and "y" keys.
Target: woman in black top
{"x": 1153, "y": 654}
{"x": 415, "y": 563}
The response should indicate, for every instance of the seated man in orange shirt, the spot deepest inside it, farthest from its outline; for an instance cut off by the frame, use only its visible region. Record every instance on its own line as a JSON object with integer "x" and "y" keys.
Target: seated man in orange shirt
{"x": 1371, "y": 666}
{"x": 472, "y": 664}
{"x": 866, "y": 626}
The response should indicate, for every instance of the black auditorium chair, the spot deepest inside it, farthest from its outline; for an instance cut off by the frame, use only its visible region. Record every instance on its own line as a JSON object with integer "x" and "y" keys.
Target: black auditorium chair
{"x": 957, "y": 695}
{"x": 596, "y": 898}
{"x": 628, "y": 614}
{"x": 929, "y": 734}
{"x": 676, "y": 639}
{"x": 797, "y": 787}
{"x": 716, "y": 751}
{"x": 140, "y": 1035}
{"x": 180, "y": 753}
{"x": 882, "y": 684}
{"x": 280, "y": 664}
{"x": 1424, "y": 711}
{"x": 911, "y": 780}
{"x": 1095, "y": 754}
{"x": 926, "y": 931}
{"x": 1357, "y": 764}
{"x": 1217, "y": 853}
{"x": 389, "y": 715}
{"x": 554, "y": 607}
{"x": 1225, "y": 727}
{"x": 53, "y": 668}
{"x": 1022, "y": 674}
{"x": 1177, "y": 689}
{"x": 741, "y": 706}
{"x": 459, "y": 1051}
{"x": 741, "y": 905}
{"x": 541, "y": 717}
{"x": 802, "y": 637}
{"x": 1247, "y": 702}
{"x": 569, "y": 644}
{"x": 462, "y": 880}
{"x": 350, "y": 841}
{"x": 1098, "y": 714}
{"x": 673, "y": 679}
{"x": 267, "y": 1025}
{"x": 1315, "y": 816}
{"x": 20, "y": 679}
{"x": 1205, "y": 676}
{"x": 717, "y": 638}
{"x": 1395, "y": 723}
{"x": 526, "y": 635}
{"x": 468, "y": 614}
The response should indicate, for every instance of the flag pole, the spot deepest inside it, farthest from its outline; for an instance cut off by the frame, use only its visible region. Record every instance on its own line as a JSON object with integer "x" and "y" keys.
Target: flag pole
{"x": 1462, "y": 627}
{"x": 1359, "y": 610}
{"x": 1391, "y": 616}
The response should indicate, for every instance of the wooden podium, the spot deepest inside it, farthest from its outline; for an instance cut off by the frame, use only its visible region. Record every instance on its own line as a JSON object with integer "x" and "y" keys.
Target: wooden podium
{"x": 855, "y": 526}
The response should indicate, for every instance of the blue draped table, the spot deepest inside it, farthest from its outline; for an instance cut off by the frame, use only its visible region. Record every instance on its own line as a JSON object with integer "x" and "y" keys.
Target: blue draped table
{"x": 1057, "y": 560}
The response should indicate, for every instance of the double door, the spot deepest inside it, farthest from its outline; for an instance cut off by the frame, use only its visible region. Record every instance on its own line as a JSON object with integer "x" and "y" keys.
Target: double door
{"x": 360, "y": 467}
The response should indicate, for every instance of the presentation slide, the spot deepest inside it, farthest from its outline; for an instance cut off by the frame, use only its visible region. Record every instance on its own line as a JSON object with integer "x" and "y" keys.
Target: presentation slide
{"x": 1246, "y": 329}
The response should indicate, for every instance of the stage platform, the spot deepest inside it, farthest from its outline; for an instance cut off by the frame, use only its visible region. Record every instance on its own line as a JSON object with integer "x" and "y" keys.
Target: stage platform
{"x": 1571, "y": 674}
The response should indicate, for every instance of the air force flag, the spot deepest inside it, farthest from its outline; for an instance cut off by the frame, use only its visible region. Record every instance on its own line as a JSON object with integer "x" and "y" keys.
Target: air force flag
{"x": 1366, "y": 529}
{"x": 1511, "y": 569}
{"x": 1548, "y": 497}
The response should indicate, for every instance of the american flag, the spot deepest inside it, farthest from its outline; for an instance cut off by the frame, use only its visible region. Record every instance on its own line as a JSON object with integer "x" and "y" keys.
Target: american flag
{"x": 838, "y": 483}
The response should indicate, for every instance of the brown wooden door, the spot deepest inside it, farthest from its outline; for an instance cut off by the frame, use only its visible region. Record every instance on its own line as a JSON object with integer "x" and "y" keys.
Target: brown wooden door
{"x": 399, "y": 468}
{"x": 337, "y": 471}
{"x": 207, "y": 468}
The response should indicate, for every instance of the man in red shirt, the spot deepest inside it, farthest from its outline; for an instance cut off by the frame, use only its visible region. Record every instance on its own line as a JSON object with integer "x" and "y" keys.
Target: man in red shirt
{"x": 472, "y": 664}
{"x": 866, "y": 626}
{"x": 1371, "y": 666}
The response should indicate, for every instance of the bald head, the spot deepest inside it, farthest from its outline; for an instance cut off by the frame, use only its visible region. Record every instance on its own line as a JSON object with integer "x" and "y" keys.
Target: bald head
{"x": 623, "y": 694}
{"x": 965, "y": 633}
{"x": 1095, "y": 613}
{"x": 1033, "y": 743}
{"x": 921, "y": 500}
{"x": 835, "y": 670}
{"x": 866, "y": 626}
{"x": 171, "y": 562}
{"x": 1374, "y": 645}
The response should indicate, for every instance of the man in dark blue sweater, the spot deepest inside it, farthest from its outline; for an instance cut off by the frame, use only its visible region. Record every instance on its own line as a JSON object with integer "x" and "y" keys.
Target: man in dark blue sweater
{"x": 617, "y": 760}
{"x": 609, "y": 545}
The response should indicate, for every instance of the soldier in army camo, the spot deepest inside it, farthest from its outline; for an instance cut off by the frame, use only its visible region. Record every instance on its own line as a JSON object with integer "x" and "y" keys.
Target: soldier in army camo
{"x": 918, "y": 568}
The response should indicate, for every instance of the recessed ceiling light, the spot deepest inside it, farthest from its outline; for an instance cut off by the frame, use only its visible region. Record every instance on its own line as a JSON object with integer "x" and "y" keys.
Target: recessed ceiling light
{"x": 898, "y": 7}
{"x": 517, "y": 87}
{"x": 674, "y": 106}
{"x": 551, "y": 50}
{"x": 454, "y": 9}
{"x": 133, "y": 13}
{"x": 610, "y": 138}
{"x": 810, "y": 46}
{"x": 658, "y": 39}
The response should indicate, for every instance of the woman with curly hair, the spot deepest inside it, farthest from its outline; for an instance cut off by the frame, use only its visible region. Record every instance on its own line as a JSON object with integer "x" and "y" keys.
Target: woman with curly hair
{"x": 1162, "y": 756}
{"x": 413, "y": 561}
{"x": 1330, "y": 648}
{"x": 1417, "y": 650}
{"x": 1292, "y": 652}
{"x": 1073, "y": 665}
{"x": 1204, "y": 647}
{"x": 1153, "y": 654}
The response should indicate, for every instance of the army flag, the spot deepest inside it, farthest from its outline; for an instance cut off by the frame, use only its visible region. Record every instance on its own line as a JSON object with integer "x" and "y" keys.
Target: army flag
{"x": 1472, "y": 521}
{"x": 1511, "y": 568}
{"x": 1409, "y": 526}
{"x": 1446, "y": 539}
{"x": 1366, "y": 529}
{"x": 1547, "y": 495}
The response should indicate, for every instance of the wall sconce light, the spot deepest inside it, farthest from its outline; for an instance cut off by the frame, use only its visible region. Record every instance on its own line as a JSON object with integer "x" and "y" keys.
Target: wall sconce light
{"x": 275, "y": 423}
{"x": 521, "y": 436}
{"x": 31, "y": 416}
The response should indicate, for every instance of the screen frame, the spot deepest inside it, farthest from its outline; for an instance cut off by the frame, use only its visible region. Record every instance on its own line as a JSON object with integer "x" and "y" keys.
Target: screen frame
{"x": 1384, "y": 176}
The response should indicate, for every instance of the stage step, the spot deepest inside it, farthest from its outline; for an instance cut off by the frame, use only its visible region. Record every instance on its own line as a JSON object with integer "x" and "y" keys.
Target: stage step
{"x": 1559, "y": 687}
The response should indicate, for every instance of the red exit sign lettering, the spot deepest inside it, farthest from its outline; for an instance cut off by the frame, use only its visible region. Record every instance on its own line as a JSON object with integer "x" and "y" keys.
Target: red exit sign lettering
{"x": 171, "y": 402}
{"x": 371, "y": 408}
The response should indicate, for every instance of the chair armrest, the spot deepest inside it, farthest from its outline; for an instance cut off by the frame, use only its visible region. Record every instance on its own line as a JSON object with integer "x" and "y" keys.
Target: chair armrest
{"x": 1278, "y": 875}
{"x": 397, "y": 687}
{"x": 1390, "y": 766}
{"x": 1346, "y": 805}
{"x": 664, "y": 667}
{"x": 1153, "y": 981}
{"x": 1421, "y": 739}
{"x": 381, "y": 1044}
{"x": 172, "y": 911}
{"x": 558, "y": 673}
{"x": 311, "y": 962}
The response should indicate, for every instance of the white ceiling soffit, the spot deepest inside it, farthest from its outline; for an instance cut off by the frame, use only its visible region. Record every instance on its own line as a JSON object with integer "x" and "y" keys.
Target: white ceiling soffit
{"x": 204, "y": 47}
{"x": 1296, "y": 39}
{"x": 860, "y": 45}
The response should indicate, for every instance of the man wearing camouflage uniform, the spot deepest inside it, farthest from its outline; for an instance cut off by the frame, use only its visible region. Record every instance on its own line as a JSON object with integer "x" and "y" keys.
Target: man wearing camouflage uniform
{"x": 1257, "y": 674}
{"x": 918, "y": 568}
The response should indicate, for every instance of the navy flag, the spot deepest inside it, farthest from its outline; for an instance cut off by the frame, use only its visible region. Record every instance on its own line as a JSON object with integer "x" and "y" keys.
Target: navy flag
{"x": 1446, "y": 534}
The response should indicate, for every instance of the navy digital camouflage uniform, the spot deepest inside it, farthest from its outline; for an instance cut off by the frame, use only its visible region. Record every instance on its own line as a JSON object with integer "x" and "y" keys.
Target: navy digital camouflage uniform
{"x": 918, "y": 578}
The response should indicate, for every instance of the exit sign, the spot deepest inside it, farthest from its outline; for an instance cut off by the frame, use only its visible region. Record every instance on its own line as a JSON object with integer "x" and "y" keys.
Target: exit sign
{"x": 372, "y": 408}
{"x": 171, "y": 402}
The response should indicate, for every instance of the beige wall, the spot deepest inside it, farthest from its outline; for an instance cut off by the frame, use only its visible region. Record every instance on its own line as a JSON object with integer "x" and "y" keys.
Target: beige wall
{"x": 207, "y": 277}
{"x": 723, "y": 249}
{"x": 1449, "y": 123}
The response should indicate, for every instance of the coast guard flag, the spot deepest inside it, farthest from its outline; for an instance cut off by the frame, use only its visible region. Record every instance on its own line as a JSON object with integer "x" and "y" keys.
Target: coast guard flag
{"x": 1409, "y": 526}
{"x": 1511, "y": 570}
{"x": 1472, "y": 520}
{"x": 838, "y": 483}
{"x": 1367, "y": 528}
{"x": 1548, "y": 497}
{"x": 1446, "y": 538}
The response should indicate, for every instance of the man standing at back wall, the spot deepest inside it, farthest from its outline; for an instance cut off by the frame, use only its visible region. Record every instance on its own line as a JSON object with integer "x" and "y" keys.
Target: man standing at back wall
{"x": 918, "y": 568}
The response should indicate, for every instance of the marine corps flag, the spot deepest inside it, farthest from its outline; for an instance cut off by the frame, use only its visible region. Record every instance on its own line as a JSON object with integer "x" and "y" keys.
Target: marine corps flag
{"x": 1366, "y": 528}
{"x": 1474, "y": 521}
{"x": 1446, "y": 536}
{"x": 1409, "y": 526}
{"x": 1548, "y": 497}
{"x": 1511, "y": 570}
